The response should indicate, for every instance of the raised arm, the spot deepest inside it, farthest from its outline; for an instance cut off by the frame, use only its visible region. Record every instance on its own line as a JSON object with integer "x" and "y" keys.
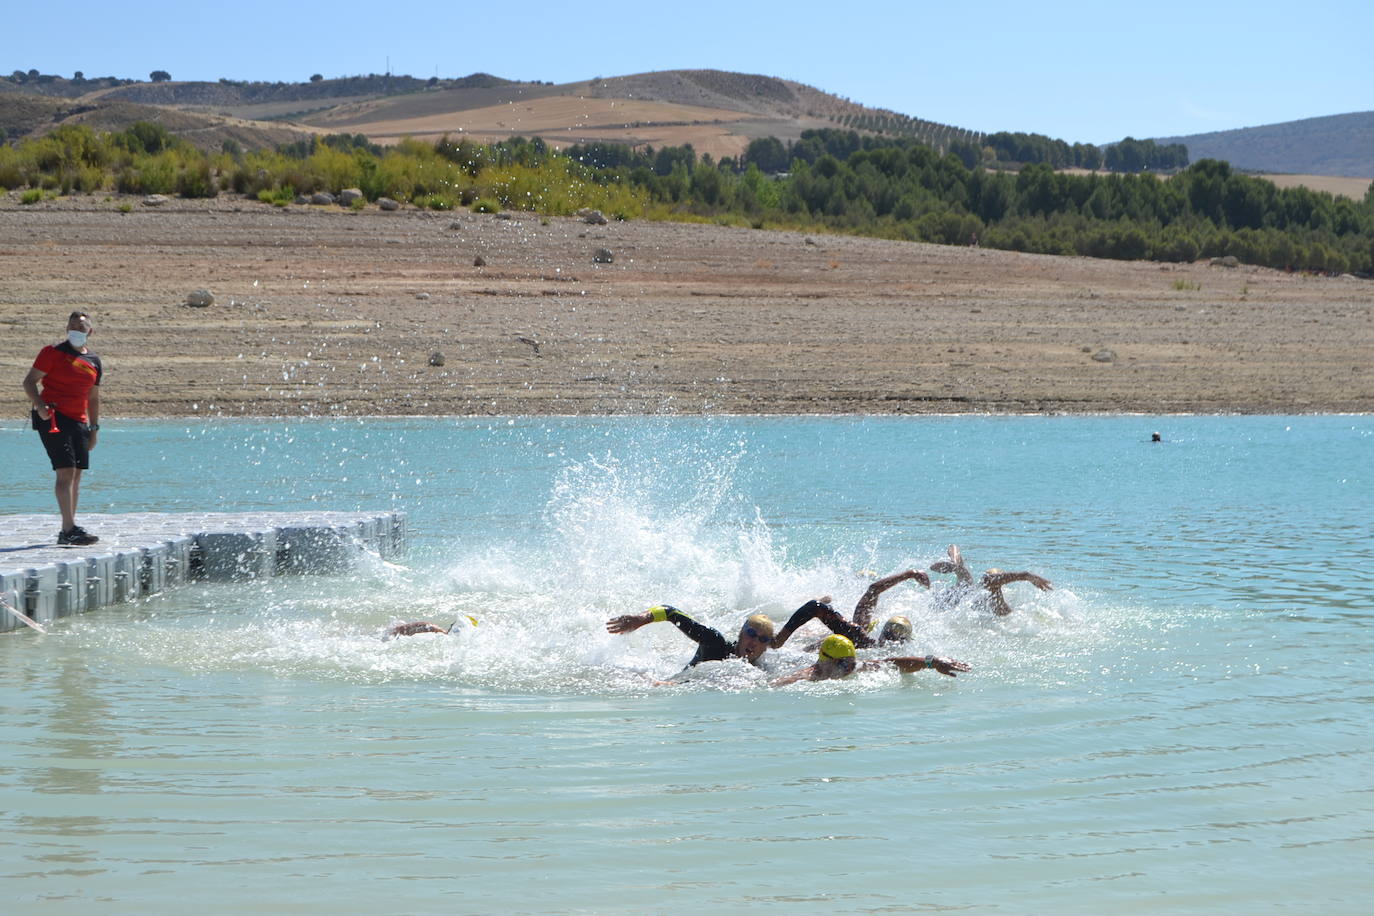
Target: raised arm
{"x": 817, "y": 609}
{"x": 955, "y": 564}
{"x": 863, "y": 611}
{"x": 999, "y": 579}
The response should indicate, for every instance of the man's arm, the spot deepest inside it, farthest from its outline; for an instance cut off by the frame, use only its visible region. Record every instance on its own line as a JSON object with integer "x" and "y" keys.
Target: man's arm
{"x": 997, "y": 580}
{"x": 910, "y": 664}
{"x": 412, "y": 629}
{"x": 817, "y": 609}
{"x": 31, "y": 389}
{"x": 697, "y": 632}
{"x": 863, "y": 611}
{"x": 805, "y": 674}
{"x": 93, "y": 416}
{"x": 955, "y": 564}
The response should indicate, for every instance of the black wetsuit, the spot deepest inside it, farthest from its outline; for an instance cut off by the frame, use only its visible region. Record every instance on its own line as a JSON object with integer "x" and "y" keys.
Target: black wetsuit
{"x": 816, "y": 610}
{"x": 712, "y": 646}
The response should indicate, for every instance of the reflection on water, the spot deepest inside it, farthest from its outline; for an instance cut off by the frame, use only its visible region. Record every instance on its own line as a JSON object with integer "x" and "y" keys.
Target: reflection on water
{"x": 1192, "y": 687}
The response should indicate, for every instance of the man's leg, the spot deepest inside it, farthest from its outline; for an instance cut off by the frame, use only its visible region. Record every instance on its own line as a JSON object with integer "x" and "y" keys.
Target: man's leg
{"x": 66, "y": 488}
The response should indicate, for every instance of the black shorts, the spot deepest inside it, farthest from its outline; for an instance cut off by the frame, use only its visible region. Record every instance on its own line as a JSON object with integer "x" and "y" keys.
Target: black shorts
{"x": 66, "y": 447}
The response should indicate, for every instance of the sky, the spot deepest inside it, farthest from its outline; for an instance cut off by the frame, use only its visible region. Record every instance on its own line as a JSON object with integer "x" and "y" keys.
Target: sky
{"x": 1081, "y": 72}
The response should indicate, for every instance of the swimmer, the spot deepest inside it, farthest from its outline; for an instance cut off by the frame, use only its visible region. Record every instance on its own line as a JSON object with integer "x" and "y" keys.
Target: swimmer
{"x": 994, "y": 580}
{"x": 755, "y": 637}
{"x": 895, "y": 629}
{"x": 422, "y": 626}
{"x": 836, "y": 660}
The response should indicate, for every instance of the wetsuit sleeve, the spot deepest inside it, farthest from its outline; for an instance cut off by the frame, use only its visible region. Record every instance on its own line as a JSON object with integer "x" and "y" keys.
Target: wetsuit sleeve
{"x": 816, "y": 610}
{"x": 712, "y": 646}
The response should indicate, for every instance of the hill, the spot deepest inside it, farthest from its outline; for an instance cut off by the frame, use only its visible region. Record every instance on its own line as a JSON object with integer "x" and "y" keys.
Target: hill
{"x": 1335, "y": 145}
{"x": 717, "y": 112}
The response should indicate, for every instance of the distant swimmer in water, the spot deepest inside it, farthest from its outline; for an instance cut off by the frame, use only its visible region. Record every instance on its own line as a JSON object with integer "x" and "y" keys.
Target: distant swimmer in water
{"x": 422, "y": 626}
{"x": 895, "y": 629}
{"x": 836, "y": 659}
{"x": 994, "y": 580}
{"x": 1156, "y": 437}
{"x": 755, "y": 637}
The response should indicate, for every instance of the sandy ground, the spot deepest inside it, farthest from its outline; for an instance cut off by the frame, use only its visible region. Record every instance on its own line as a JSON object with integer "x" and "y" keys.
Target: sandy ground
{"x": 322, "y": 311}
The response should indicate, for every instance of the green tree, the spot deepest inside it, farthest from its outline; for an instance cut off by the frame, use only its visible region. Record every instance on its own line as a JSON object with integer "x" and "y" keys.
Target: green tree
{"x": 159, "y": 76}
{"x": 768, "y": 153}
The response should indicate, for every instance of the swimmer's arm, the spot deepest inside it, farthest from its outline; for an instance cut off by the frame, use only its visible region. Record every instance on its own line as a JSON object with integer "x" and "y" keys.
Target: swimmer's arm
{"x": 818, "y": 609}
{"x": 411, "y": 629}
{"x": 628, "y": 623}
{"x": 805, "y": 674}
{"x": 955, "y": 564}
{"x": 998, "y": 580}
{"x": 863, "y": 611}
{"x": 910, "y": 664}
{"x": 697, "y": 632}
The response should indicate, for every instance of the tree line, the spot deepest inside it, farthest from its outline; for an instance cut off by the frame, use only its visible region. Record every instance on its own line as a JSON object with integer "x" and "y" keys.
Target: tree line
{"x": 833, "y": 180}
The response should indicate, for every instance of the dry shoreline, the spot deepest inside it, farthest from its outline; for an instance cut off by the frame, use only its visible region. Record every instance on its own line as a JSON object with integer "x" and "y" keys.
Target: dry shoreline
{"x": 324, "y": 312}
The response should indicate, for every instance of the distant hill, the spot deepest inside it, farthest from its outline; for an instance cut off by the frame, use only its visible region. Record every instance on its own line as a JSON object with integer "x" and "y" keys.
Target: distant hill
{"x": 717, "y": 112}
{"x": 1336, "y": 145}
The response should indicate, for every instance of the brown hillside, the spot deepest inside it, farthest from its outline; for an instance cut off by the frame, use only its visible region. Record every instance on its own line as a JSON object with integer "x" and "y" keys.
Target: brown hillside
{"x": 206, "y": 132}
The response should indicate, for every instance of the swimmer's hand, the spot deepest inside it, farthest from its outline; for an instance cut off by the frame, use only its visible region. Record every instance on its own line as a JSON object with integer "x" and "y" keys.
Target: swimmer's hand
{"x": 1039, "y": 582}
{"x": 947, "y": 666}
{"x": 628, "y": 623}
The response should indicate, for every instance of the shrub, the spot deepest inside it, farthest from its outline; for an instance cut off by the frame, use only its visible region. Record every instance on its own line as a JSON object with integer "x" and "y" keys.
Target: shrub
{"x": 278, "y": 196}
{"x": 31, "y": 196}
{"x": 195, "y": 180}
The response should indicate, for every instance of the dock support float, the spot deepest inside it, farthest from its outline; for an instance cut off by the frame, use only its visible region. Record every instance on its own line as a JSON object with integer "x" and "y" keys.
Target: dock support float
{"x": 147, "y": 553}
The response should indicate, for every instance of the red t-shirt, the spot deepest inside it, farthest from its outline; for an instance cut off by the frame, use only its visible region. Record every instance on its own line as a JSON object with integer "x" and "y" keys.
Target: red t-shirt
{"x": 68, "y": 377}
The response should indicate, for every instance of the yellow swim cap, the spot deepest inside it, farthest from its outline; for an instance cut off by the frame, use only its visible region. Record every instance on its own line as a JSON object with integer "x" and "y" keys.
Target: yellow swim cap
{"x": 837, "y": 647}
{"x": 896, "y": 628}
{"x": 761, "y": 624}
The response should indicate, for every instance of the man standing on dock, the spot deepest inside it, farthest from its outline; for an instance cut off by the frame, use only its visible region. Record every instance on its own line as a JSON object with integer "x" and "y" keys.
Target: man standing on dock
{"x": 66, "y": 414}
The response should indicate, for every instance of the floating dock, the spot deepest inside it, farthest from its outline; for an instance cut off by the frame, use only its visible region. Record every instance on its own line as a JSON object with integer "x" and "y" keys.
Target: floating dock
{"x": 146, "y": 553}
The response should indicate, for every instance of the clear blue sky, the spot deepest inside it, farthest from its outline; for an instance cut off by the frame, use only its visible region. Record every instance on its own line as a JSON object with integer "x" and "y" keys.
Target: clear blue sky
{"x": 1089, "y": 72}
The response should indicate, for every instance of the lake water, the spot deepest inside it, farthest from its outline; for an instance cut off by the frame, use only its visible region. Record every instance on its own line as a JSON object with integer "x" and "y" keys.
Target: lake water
{"x": 1182, "y": 725}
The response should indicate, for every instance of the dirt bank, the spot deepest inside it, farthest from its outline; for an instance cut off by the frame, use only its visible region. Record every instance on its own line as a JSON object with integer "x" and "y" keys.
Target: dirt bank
{"x": 322, "y": 311}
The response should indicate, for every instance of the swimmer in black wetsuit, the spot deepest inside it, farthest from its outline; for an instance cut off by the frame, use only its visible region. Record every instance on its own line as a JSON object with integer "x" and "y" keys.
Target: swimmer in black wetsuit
{"x": 993, "y": 582}
{"x": 755, "y": 637}
{"x": 836, "y": 659}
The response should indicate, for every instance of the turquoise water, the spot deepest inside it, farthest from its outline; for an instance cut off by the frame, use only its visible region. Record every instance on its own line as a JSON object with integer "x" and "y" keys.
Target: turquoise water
{"x": 1182, "y": 725}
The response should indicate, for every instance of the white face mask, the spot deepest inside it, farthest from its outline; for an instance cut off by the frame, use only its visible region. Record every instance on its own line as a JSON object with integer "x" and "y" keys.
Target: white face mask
{"x": 76, "y": 338}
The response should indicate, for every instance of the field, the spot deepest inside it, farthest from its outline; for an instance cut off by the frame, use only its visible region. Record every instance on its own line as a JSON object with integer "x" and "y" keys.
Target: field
{"x": 560, "y": 120}
{"x": 1354, "y": 188}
